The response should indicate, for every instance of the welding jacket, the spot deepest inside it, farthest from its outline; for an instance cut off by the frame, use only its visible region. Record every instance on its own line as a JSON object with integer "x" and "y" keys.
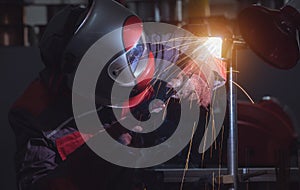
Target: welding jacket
{"x": 50, "y": 151}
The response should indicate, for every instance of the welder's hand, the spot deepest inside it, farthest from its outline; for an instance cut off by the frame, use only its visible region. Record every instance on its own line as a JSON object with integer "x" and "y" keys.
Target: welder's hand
{"x": 192, "y": 88}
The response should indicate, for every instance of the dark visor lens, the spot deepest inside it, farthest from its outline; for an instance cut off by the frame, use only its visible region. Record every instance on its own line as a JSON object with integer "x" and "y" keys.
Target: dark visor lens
{"x": 134, "y": 55}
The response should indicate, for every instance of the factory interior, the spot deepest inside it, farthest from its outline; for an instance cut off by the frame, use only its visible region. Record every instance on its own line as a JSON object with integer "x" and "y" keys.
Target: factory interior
{"x": 248, "y": 132}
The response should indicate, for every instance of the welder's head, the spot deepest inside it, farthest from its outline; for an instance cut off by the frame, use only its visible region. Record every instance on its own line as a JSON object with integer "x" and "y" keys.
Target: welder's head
{"x": 75, "y": 29}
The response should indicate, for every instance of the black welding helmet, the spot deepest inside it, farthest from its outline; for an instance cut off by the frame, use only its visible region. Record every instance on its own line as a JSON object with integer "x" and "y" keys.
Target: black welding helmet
{"x": 124, "y": 69}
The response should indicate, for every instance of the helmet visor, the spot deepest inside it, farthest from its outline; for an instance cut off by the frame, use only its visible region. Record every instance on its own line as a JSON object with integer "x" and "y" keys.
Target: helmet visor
{"x": 126, "y": 68}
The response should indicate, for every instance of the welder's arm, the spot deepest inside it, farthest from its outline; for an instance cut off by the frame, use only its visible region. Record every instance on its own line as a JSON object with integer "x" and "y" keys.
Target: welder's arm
{"x": 201, "y": 72}
{"x": 35, "y": 158}
{"x": 190, "y": 83}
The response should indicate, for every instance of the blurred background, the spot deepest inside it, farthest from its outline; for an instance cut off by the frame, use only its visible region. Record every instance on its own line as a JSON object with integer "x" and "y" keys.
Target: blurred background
{"x": 22, "y": 23}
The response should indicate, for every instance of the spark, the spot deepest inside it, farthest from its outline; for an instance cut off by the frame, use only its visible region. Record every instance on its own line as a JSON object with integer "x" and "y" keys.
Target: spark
{"x": 213, "y": 119}
{"x": 174, "y": 39}
{"x": 174, "y": 47}
{"x": 188, "y": 158}
{"x": 244, "y": 91}
{"x": 165, "y": 109}
{"x": 208, "y": 46}
{"x": 205, "y": 135}
{"x": 159, "y": 85}
{"x": 220, "y": 157}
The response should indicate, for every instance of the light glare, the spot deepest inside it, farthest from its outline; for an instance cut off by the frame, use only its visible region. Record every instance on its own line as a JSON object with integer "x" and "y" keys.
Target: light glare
{"x": 214, "y": 46}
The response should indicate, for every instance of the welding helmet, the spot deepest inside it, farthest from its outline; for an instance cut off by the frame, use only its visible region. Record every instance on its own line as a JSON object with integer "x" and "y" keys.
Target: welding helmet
{"x": 88, "y": 25}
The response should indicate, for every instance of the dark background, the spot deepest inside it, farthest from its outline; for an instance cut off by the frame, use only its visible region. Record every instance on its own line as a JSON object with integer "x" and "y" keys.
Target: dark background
{"x": 19, "y": 66}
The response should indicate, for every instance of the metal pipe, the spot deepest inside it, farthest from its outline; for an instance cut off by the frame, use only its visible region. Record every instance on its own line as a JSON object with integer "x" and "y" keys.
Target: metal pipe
{"x": 232, "y": 157}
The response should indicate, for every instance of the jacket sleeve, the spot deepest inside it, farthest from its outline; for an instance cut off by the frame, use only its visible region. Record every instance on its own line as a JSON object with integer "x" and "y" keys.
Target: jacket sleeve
{"x": 35, "y": 157}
